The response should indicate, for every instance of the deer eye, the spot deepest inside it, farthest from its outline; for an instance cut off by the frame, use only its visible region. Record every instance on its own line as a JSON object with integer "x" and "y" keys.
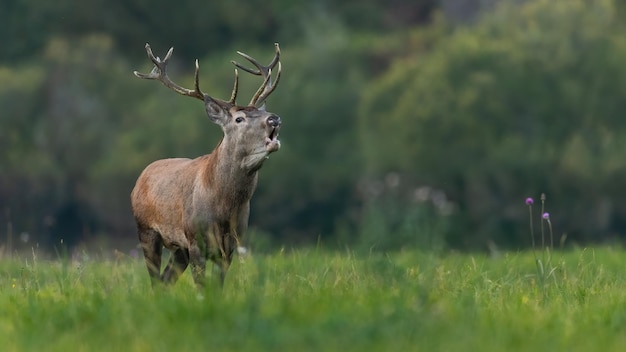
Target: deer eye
{"x": 239, "y": 119}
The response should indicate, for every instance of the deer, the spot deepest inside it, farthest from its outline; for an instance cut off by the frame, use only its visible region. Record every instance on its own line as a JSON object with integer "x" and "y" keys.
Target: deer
{"x": 199, "y": 208}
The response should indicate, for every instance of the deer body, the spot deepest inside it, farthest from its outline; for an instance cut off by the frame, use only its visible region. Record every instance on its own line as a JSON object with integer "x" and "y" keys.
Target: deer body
{"x": 199, "y": 208}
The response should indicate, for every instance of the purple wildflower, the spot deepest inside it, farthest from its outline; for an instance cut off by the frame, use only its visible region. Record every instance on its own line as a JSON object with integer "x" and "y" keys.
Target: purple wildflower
{"x": 529, "y": 201}
{"x": 546, "y": 216}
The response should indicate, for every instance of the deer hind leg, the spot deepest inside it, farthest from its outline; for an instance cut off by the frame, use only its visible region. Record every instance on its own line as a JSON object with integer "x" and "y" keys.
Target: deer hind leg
{"x": 152, "y": 245}
{"x": 177, "y": 264}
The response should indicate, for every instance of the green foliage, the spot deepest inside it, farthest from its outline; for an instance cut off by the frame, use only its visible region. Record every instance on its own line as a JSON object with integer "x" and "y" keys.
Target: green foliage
{"x": 400, "y": 217}
{"x": 19, "y": 85}
{"x": 390, "y": 227}
{"x": 195, "y": 28}
{"x": 317, "y": 300}
{"x": 59, "y": 116}
{"x": 92, "y": 126}
{"x": 317, "y": 167}
{"x": 527, "y": 100}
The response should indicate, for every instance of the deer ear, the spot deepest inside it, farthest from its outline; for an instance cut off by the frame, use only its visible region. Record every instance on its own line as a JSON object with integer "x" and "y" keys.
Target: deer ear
{"x": 215, "y": 110}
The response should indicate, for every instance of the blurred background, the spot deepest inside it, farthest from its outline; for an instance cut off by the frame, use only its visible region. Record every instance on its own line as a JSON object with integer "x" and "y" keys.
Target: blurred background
{"x": 406, "y": 124}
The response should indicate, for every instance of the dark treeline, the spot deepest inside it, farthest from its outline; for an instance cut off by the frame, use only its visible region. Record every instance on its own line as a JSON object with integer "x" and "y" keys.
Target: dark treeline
{"x": 405, "y": 123}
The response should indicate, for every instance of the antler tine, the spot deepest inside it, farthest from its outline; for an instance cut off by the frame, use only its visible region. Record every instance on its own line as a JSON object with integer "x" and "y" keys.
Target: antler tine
{"x": 196, "y": 83}
{"x": 252, "y": 60}
{"x": 269, "y": 89}
{"x": 266, "y": 71}
{"x": 261, "y": 70}
{"x": 159, "y": 73}
{"x": 233, "y": 95}
{"x": 261, "y": 89}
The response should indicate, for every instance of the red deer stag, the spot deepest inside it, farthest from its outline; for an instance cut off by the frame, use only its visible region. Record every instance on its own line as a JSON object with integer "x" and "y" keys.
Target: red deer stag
{"x": 199, "y": 208}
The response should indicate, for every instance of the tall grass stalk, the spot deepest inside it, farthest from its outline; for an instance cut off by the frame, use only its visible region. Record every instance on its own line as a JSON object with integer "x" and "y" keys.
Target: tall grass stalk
{"x": 544, "y": 266}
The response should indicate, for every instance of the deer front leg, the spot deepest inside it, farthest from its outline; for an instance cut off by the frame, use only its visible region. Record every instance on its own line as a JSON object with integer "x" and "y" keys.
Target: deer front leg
{"x": 228, "y": 244}
{"x": 224, "y": 265}
{"x": 177, "y": 264}
{"x": 197, "y": 259}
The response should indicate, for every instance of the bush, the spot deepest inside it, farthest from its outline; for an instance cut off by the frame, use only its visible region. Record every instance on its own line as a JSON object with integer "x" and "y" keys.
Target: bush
{"x": 527, "y": 100}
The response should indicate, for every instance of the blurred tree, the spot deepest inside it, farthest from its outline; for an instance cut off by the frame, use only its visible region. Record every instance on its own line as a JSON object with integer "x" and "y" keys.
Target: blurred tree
{"x": 56, "y": 138}
{"x": 195, "y": 29}
{"x": 20, "y": 164}
{"x": 528, "y": 100}
{"x": 525, "y": 100}
{"x": 309, "y": 185}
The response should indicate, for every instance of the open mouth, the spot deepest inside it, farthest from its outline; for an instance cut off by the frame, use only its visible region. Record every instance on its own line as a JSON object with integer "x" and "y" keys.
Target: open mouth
{"x": 272, "y": 143}
{"x": 273, "y": 136}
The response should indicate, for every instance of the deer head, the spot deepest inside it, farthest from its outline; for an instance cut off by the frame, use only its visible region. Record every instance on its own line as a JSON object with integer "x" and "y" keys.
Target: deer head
{"x": 250, "y": 132}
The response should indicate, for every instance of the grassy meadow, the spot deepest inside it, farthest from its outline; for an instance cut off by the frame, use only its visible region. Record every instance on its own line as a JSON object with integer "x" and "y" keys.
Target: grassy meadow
{"x": 317, "y": 300}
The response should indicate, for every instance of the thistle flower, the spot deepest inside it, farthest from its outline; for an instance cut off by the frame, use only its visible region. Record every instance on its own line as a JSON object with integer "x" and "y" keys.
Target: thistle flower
{"x": 546, "y": 216}
{"x": 529, "y": 201}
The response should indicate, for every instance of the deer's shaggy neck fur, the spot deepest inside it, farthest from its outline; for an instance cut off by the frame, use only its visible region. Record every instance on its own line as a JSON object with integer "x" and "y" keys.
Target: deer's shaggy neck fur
{"x": 228, "y": 183}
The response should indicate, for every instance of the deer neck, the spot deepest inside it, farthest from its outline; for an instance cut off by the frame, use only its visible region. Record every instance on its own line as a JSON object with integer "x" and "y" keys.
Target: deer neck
{"x": 225, "y": 171}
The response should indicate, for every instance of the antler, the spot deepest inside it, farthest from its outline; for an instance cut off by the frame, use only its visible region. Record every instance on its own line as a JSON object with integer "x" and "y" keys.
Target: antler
{"x": 159, "y": 73}
{"x": 266, "y": 71}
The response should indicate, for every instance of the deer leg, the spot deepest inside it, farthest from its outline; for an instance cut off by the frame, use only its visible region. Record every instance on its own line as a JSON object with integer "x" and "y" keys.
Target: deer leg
{"x": 224, "y": 265}
{"x": 228, "y": 245}
{"x": 152, "y": 245}
{"x": 177, "y": 264}
{"x": 198, "y": 264}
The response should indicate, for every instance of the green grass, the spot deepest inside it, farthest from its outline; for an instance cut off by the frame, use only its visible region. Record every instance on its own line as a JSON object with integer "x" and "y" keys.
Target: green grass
{"x": 312, "y": 300}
